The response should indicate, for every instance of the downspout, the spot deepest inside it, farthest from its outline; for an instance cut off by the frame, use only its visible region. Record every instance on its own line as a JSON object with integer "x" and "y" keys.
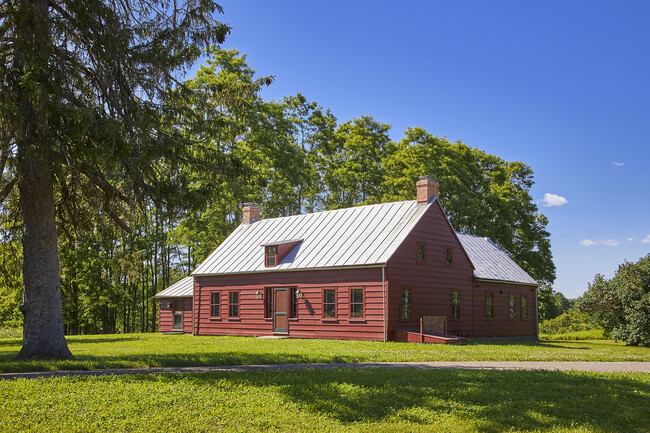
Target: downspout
{"x": 536, "y": 314}
{"x": 193, "y": 308}
{"x": 383, "y": 289}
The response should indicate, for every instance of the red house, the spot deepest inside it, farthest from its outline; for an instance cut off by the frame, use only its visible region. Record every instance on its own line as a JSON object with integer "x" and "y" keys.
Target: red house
{"x": 378, "y": 272}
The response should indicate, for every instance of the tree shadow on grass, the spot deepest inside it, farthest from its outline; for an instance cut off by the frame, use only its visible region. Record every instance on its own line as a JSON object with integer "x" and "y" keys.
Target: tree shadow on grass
{"x": 494, "y": 400}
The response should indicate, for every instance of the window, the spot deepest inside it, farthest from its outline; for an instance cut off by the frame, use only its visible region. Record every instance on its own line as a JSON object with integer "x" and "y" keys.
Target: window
{"x": 449, "y": 256}
{"x": 489, "y": 305}
{"x": 293, "y": 312}
{"x": 420, "y": 254}
{"x": 524, "y": 307}
{"x": 513, "y": 307}
{"x": 329, "y": 303}
{"x": 356, "y": 303}
{"x": 455, "y": 305}
{"x": 405, "y": 309}
{"x": 233, "y": 304}
{"x": 268, "y": 302}
{"x": 271, "y": 255}
{"x": 214, "y": 304}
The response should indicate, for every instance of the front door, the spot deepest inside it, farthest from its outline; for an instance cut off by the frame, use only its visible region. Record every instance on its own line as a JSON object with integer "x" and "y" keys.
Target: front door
{"x": 178, "y": 313}
{"x": 280, "y": 310}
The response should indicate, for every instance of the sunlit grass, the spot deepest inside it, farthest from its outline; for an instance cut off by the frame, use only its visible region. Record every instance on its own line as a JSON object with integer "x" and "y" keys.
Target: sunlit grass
{"x": 372, "y": 400}
{"x": 157, "y": 350}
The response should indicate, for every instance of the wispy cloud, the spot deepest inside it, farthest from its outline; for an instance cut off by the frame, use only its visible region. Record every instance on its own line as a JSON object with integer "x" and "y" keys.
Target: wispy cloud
{"x": 646, "y": 240}
{"x": 618, "y": 164}
{"x": 631, "y": 239}
{"x": 606, "y": 242}
{"x": 553, "y": 200}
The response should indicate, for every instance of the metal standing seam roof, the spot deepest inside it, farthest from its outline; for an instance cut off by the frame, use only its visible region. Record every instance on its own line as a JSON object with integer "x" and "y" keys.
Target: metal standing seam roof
{"x": 492, "y": 263}
{"x": 182, "y": 288}
{"x": 357, "y": 236}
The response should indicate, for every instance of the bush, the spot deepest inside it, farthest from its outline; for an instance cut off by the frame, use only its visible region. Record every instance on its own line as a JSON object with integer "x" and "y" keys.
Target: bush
{"x": 622, "y": 305}
{"x": 571, "y": 321}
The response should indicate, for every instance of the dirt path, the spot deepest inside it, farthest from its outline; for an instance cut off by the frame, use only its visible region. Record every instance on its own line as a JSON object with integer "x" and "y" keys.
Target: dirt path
{"x": 600, "y": 367}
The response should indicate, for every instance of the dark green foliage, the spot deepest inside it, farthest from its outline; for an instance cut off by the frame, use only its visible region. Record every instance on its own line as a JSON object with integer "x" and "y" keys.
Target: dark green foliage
{"x": 622, "y": 304}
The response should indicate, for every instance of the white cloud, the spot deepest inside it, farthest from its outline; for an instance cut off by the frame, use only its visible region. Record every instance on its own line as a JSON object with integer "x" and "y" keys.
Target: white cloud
{"x": 618, "y": 164}
{"x": 631, "y": 239}
{"x": 646, "y": 240}
{"x": 553, "y": 200}
{"x": 606, "y": 242}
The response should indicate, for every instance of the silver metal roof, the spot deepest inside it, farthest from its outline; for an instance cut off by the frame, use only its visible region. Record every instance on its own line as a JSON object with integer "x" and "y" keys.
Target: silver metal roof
{"x": 492, "y": 263}
{"x": 182, "y": 288}
{"x": 357, "y": 236}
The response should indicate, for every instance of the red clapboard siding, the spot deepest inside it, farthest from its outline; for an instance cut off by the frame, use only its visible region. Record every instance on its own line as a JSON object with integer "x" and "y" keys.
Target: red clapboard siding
{"x": 432, "y": 281}
{"x": 166, "y": 315}
{"x": 309, "y": 321}
{"x": 501, "y": 325}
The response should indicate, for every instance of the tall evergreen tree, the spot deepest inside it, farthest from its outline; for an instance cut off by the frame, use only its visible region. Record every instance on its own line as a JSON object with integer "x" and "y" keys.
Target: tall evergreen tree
{"x": 83, "y": 86}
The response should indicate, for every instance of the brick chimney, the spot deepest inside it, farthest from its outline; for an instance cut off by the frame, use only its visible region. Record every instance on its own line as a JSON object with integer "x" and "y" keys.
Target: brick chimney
{"x": 251, "y": 213}
{"x": 427, "y": 188}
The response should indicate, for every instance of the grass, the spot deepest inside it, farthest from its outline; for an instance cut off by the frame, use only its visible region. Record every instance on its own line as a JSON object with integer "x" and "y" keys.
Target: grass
{"x": 372, "y": 400}
{"x": 592, "y": 334}
{"x": 156, "y": 350}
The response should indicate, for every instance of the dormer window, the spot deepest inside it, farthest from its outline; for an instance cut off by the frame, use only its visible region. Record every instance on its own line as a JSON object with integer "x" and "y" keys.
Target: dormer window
{"x": 271, "y": 256}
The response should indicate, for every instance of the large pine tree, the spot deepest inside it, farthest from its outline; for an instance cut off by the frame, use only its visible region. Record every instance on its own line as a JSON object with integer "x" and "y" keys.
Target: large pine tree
{"x": 83, "y": 85}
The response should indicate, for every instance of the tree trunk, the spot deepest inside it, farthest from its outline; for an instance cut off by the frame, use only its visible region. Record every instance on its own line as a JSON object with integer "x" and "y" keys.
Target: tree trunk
{"x": 43, "y": 336}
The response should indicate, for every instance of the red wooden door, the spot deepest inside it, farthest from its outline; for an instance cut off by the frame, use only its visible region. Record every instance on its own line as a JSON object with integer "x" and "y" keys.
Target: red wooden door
{"x": 280, "y": 310}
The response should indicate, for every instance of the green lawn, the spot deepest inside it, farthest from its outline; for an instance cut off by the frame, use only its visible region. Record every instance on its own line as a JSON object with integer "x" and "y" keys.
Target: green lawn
{"x": 373, "y": 400}
{"x": 155, "y": 350}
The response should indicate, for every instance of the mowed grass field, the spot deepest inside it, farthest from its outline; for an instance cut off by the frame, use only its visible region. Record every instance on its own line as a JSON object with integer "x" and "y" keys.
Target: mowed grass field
{"x": 316, "y": 400}
{"x": 346, "y": 400}
{"x": 157, "y": 350}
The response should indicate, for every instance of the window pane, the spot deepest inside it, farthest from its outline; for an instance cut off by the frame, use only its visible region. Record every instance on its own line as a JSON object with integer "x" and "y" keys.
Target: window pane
{"x": 356, "y": 311}
{"x": 405, "y": 312}
{"x": 271, "y": 253}
{"x": 357, "y": 296}
{"x": 489, "y": 305}
{"x": 329, "y": 303}
{"x": 328, "y": 296}
{"x": 455, "y": 314}
{"x": 234, "y": 304}
{"x": 449, "y": 256}
{"x": 215, "y": 304}
{"x": 524, "y": 307}
{"x": 329, "y": 310}
{"x": 513, "y": 307}
{"x": 420, "y": 252}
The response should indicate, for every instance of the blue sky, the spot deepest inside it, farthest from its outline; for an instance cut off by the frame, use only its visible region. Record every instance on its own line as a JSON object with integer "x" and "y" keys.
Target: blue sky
{"x": 563, "y": 86}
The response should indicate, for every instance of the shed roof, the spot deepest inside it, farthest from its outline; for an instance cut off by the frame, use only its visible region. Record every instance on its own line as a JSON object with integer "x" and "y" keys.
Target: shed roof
{"x": 356, "y": 236}
{"x": 491, "y": 262}
{"x": 182, "y": 288}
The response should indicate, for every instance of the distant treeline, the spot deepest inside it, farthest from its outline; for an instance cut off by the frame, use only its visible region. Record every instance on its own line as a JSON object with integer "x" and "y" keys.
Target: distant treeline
{"x": 291, "y": 156}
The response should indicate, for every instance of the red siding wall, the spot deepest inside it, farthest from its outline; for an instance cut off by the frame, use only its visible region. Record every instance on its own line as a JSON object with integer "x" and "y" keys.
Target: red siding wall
{"x": 308, "y": 321}
{"x": 166, "y": 315}
{"x": 501, "y": 325}
{"x": 432, "y": 281}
